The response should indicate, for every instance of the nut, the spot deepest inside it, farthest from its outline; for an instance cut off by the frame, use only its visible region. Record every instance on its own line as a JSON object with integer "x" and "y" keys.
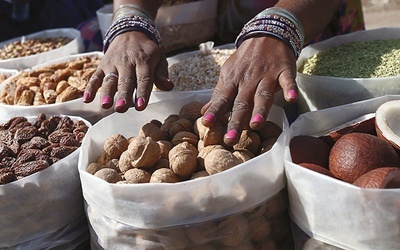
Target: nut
{"x": 109, "y": 175}
{"x": 153, "y": 131}
{"x": 183, "y": 159}
{"x": 164, "y": 175}
{"x": 114, "y": 145}
{"x": 248, "y": 140}
{"x": 144, "y": 152}
{"x": 309, "y": 149}
{"x": 136, "y": 175}
{"x": 220, "y": 160}
{"x": 191, "y": 111}
{"x": 386, "y": 177}
{"x": 355, "y": 154}
{"x": 185, "y": 136}
{"x": 210, "y": 135}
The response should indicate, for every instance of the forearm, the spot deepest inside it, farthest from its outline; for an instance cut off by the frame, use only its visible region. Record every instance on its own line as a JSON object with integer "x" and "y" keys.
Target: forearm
{"x": 314, "y": 15}
{"x": 150, "y": 6}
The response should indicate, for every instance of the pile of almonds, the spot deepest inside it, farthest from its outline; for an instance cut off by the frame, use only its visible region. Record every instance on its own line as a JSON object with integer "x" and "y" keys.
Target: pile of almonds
{"x": 355, "y": 154}
{"x": 179, "y": 148}
{"x": 27, "y": 147}
{"x": 55, "y": 83}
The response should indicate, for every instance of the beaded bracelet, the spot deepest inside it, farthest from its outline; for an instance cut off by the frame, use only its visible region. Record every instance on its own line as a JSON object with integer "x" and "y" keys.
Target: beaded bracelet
{"x": 278, "y": 23}
{"x": 131, "y": 23}
{"x": 124, "y": 7}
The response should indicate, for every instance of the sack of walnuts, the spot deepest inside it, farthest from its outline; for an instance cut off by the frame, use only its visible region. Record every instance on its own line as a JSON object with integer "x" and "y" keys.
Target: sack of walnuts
{"x": 54, "y": 87}
{"x": 41, "y": 203}
{"x": 160, "y": 179}
{"x": 343, "y": 176}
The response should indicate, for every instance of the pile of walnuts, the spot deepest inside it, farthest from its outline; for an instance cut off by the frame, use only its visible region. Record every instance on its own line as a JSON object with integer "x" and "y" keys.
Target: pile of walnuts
{"x": 28, "y": 147}
{"x": 55, "y": 83}
{"x": 178, "y": 149}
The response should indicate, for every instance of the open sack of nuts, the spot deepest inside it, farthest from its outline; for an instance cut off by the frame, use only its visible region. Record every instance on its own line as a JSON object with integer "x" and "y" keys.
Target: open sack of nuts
{"x": 37, "y": 48}
{"x": 343, "y": 172}
{"x": 349, "y": 68}
{"x": 41, "y": 203}
{"x": 160, "y": 179}
{"x": 54, "y": 87}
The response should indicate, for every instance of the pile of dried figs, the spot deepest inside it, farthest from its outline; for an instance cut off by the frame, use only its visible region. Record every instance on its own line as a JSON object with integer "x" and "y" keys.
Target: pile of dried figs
{"x": 27, "y": 147}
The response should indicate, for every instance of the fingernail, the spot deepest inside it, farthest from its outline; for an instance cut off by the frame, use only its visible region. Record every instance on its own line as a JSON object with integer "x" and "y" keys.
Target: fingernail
{"x": 209, "y": 117}
{"x": 140, "y": 102}
{"x": 121, "y": 102}
{"x": 86, "y": 96}
{"x": 292, "y": 94}
{"x": 231, "y": 134}
{"x": 257, "y": 119}
{"x": 106, "y": 100}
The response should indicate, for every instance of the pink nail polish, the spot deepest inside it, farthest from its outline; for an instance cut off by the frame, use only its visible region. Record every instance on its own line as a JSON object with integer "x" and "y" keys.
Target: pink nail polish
{"x": 139, "y": 102}
{"x": 121, "y": 102}
{"x": 106, "y": 100}
{"x": 231, "y": 134}
{"x": 86, "y": 96}
{"x": 292, "y": 94}
{"x": 209, "y": 117}
{"x": 257, "y": 119}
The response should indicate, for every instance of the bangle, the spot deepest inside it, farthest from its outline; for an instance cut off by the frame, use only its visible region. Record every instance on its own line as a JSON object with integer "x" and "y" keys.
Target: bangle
{"x": 131, "y": 23}
{"x": 131, "y": 6}
{"x": 278, "y": 23}
{"x": 131, "y": 12}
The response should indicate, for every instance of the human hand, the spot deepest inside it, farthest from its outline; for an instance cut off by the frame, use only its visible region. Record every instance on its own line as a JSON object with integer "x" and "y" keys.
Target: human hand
{"x": 132, "y": 62}
{"x": 259, "y": 68}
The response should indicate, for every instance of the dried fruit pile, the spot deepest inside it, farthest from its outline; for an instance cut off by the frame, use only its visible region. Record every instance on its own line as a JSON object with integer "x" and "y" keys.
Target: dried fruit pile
{"x": 178, "y": 149}
{"x": 50, "y": 84}
{"x": 31, "y": 47}
{"x": 27, "y": 147}
{"x": 358, "y": 154}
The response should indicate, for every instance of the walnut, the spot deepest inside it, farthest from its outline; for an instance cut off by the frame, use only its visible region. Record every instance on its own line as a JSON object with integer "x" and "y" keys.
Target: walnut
{"x": 220, "y": 160}
{"x": 232, "y": 230}
{"x": 243, "y": 154}
{"x": 161, "y": 163}
{"x": 103, "y": 159}
{"x": 249, "y": 140}
{"x": 109, "y": 175}
{"x": 153, "y": 131}
{"x": 164, "y": 175}
{"x": 191, "y": 111}
{"x": 199, "y": 174}
{"x": 270, "y": 129}
{"x": 185, "y": 136}
{"x": 182, "y": 124}
{"x": 203, "y": 153}
{"x": 183, "y": 159}
{"x": 144, "y": 152}
{"x": 210, "y": 135}
{"x": 168, "y": 122}
{"x": 125, "y": 162}
{"x": 93, "y": 167}
{"x": 165, "y": 147}
{"x": 137, "y": 175}
{"x": 114, "y": 145}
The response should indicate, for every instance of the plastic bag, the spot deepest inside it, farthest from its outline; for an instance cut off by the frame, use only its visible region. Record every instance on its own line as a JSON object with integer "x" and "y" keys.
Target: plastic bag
{"x": 75, "y": 46}
{"x": 330, "y": 210}
{"x": 45, "y": 209}
{"x": 318, "y": 92}
{"x": 123, "y": 211}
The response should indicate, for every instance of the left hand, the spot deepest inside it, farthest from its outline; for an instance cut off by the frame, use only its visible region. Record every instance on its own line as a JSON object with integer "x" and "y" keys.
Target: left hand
{"x": 259, "y": 68}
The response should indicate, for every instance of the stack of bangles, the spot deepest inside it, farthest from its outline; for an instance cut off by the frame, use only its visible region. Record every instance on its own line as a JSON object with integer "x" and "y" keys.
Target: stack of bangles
{"x": 131, "y": 17}
{"x": 276, "y": 22}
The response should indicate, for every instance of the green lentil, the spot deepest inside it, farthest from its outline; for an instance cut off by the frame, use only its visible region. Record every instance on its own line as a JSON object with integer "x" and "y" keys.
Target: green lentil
{"x": 365, "y": 59}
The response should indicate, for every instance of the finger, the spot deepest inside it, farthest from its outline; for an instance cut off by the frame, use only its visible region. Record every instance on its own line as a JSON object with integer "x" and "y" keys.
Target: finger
{"x": 145, "y": 79}
{"x": 108, "y": 90}
{"x": 220, "y": 103}
{"x": 240, "y": 117}
{"x": 93, "y": 85}
{"x": 125, "y": 88}
{"x": 263, "y": 100}
{"x": 162, "y": 80}
{"x": 287, "y": 80}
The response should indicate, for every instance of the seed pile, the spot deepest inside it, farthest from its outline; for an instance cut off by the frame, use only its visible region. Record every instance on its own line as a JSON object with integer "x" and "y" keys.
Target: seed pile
{"x": 200, "y": 71}
{"x": 365, "y": 59}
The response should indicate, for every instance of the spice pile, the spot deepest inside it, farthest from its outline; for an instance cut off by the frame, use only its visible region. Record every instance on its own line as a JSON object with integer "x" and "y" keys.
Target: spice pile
{"x": 364, "y": 59}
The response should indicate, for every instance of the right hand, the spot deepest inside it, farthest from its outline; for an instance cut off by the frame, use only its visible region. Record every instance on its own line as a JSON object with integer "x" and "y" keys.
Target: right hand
{"x": 139, "y": 63}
